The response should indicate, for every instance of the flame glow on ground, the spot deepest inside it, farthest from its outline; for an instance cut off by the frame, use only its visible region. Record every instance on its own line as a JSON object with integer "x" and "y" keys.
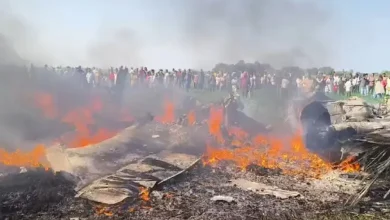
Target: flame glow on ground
{"x": 286, "y": 153}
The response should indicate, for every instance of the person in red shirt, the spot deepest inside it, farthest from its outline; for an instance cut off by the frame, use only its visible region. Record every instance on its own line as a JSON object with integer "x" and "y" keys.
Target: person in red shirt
{"x": 384, "y": 82}
{"x": 111, "y": 78}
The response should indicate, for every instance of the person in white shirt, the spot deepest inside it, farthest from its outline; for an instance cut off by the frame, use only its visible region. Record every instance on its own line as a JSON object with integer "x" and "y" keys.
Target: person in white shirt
{"x": 284, "y": 87}
{"x": 89, "y": 77}
{"x": 348, "y": 87}
{"x": 355, "y": 84}
{"x": 298, "y": 82}
{"x": 234, "y": 84}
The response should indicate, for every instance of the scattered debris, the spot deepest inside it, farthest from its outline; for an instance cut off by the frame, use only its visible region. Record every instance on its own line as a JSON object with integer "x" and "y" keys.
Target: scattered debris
{"x": 227, "y": 199}
{"x": 263, "y": 171}
{"x": 263, "y": 189}
{"x": 145, "y": 173}
{"x": 23, "y": 170}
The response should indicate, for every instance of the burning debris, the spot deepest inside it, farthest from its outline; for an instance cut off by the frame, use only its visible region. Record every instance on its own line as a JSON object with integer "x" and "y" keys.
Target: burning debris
{"x": 160, "y": 167}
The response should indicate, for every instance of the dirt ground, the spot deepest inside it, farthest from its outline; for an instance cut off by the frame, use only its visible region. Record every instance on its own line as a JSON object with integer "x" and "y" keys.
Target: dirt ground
{"x": 44, "y": 195}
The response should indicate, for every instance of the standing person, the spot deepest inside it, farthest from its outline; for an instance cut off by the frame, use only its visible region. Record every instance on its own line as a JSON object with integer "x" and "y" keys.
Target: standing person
{"x": 179, "y": 78}
{"x": 364, "y": 85}
{"x": 388, "y": 85}
{"x": 284, "y": 87}
{"x": 328, "y": 82}
{"x": 342, "y": 86}
{"x": 89, "y": 77}
{"x": 134, "y": 78}
{"x": 142, "y": 76}
{"x": 371, "y": 84}
{"x": 218, "y": 80}
{"x": 120, "y": 82}
{"x": 252, "y": 84}
{"x": 183, "y": 78}
{"x": 355, "y": 84}
{"x": 234, "y": 84}
{"x": 379, "y": 90}
{"x": 336, "y": 83}
{"x": 244, "y": 84}
{"x": 196, "y": 81}
{"x": 384, "y": 83}
{"x": 82, "y": 76}
{"x": 201, "y": 79}
{"x": 188, "y": 80}
{"x": 321, "y": 82}
{"x": 212, "y": 82}
{"x": 166, "y": 78}
{"x": 348, "y": 87}
{"x": 111, "y": 78}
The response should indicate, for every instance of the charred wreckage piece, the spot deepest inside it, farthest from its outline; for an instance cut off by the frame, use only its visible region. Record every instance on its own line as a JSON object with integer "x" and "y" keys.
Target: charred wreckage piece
{"x": 350, "y": 128}
{"x": 147, "y": 155}
{"x": 143, "y": 156}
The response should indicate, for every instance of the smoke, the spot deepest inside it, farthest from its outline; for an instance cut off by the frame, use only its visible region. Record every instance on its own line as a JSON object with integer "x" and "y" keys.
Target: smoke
{"x": 201, "y": 33}
{"x": 282, "y": 33}
{"x": 115, "y": 48}
{"x": 193, "y": 34}
{"x": 19, "y": 41}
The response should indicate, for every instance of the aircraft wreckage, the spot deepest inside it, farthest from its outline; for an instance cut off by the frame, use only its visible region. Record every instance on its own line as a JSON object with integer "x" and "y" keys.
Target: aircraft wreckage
{"x": 150, "y": 153}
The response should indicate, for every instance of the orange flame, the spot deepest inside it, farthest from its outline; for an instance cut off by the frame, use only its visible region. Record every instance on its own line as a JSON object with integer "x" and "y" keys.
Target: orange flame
{"x": 102, "y": 210}
{"x": 46, "y": 102}
{"x": 81, "y": 118}
{"x": 144, "y": 194}
{"x": 34, "y": 158}
{"x": 191, "y": 118}
{"x": 349, "y": 165}
{"x": 288, "y": 154}
{"x": 215, "y": 122}
{"x": 169, "y": 113}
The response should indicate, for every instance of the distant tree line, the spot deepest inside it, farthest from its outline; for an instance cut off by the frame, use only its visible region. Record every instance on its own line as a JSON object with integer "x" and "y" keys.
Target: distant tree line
{"x": 258, "y": 67}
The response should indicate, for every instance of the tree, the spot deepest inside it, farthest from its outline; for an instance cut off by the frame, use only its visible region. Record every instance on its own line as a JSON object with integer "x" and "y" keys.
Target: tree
{"x": 326, "y": 70}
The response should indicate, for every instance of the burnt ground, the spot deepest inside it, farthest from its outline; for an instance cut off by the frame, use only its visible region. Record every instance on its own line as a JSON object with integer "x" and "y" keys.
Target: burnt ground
{"x": 44, "y": 195}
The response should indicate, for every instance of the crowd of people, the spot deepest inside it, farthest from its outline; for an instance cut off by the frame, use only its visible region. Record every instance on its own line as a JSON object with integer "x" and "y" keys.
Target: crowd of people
{"x": 241, "y": 82}
{"x": 375, "y": 85}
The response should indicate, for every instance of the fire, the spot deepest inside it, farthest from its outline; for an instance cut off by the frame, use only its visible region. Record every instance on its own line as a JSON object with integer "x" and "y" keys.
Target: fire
{"x": 102, "y": 210}
{"x": 82, "y": 139}
{"x": 169, "y": 113}
{"x": 34, "y": 158}
{"x": 215, "y": 122}
{"x": 238, "y": 133}
{"x": 191, "y": 118}
{"x": 144, "y": 194}
{"x": 81, "y": 118}
{"x": 286, "y": 153}
{"x": 45, "y": 102}
{"x": 125, "y": 115}
{"x": 349, "y": 165}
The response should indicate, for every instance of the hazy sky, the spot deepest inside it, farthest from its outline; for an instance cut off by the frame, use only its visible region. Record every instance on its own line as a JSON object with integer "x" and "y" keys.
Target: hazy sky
{"x": 350, "y": 34}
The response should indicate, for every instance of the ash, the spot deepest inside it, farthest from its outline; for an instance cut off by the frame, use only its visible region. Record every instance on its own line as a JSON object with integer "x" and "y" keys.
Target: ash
{"x": 42, "y": 194}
